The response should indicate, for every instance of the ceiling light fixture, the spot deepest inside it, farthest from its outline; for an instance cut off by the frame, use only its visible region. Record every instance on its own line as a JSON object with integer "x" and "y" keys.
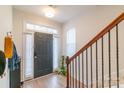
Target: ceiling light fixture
{"x": 49, "y": 12}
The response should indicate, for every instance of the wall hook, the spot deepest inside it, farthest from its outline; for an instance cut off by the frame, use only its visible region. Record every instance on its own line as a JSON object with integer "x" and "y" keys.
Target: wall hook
{"x": 9, "y": 33}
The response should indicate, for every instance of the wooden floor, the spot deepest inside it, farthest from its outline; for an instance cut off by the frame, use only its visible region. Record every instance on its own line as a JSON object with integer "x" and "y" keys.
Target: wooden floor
{"x": 48, "y": 81}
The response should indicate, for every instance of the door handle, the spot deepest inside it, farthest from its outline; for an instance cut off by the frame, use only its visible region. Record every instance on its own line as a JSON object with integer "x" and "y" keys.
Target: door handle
{"x": 35, "y": 56}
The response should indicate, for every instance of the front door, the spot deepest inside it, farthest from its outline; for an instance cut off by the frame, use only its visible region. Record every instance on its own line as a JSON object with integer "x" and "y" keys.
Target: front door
{"x": 43, "y": 54}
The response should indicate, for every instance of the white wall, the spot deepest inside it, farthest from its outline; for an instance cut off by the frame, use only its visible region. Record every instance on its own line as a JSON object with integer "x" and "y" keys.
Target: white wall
{"x": 19, "y": 17}
{"x": 90, "y": 24}
{"x": 5, "y": 26}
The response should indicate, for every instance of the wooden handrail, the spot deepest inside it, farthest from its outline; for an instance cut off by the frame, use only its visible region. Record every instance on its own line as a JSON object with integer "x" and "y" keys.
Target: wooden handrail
{"x": 98, "y": 36}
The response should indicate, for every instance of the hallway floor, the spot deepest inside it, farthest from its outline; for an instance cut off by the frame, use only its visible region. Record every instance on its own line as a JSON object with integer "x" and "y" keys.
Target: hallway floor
{"x": 48, "y": 81}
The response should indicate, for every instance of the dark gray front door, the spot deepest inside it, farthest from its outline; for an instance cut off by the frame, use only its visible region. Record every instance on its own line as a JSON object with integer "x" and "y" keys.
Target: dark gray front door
{"x": 43, "y": 54}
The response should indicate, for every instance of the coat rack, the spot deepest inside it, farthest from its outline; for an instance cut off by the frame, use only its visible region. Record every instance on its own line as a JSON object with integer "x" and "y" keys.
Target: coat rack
{"x": 9, "y": 34}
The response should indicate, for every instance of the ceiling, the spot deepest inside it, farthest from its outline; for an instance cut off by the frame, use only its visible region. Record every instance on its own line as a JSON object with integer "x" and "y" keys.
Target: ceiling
{"x": 63, "y": 14}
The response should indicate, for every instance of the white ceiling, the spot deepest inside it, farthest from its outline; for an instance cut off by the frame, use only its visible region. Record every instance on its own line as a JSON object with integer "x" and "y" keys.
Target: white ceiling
{"x": 63, "y": 14}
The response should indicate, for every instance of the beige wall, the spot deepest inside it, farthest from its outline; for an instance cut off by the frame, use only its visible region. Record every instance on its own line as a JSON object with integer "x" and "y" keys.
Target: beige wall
{"x": 19, "y": 17}
{"x": 5, "y": 26}
{"x": 87, "y": 26}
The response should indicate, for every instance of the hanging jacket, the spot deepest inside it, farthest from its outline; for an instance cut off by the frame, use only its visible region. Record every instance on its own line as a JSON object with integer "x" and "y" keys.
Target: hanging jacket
{"x": 15, "y": 60}
{"x": 8, "y": 47}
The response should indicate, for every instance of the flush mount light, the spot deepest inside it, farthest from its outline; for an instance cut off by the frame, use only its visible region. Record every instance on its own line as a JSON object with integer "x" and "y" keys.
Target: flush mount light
{"x": 49, "y": 12}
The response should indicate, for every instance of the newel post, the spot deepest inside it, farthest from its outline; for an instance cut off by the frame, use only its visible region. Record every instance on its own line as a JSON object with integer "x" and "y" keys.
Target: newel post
{"x": 67, "y": 64}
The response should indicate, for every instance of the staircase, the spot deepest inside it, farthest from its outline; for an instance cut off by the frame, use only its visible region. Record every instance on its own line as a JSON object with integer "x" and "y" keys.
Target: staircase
{"x": 99, "y": 63}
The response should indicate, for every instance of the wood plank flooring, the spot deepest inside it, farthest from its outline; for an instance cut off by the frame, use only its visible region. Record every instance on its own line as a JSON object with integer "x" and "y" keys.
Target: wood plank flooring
{"x": 48, "y": 81}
